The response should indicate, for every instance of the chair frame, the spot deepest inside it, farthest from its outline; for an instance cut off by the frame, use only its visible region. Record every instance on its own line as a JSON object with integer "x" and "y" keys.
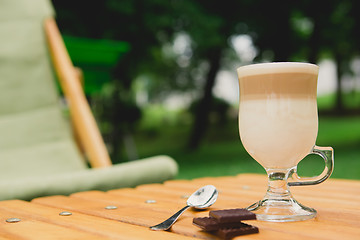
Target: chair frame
{"x": 84, "y": 123}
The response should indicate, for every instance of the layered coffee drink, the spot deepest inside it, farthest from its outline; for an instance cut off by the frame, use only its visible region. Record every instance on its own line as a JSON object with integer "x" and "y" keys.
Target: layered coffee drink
{"x": 278, "y": 119}
{"x": 278, "y": 126}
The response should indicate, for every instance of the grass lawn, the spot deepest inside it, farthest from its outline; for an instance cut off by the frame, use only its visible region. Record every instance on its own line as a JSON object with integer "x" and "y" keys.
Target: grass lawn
{"x": 223, "y": 154}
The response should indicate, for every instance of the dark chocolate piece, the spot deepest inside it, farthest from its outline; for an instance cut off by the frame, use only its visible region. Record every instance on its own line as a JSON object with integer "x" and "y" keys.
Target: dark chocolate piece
{"x": 206, "y": 223}
{"x": 211, "y": 224}
{"x": 232, "y": 215}
{"x": 230, "y": 232}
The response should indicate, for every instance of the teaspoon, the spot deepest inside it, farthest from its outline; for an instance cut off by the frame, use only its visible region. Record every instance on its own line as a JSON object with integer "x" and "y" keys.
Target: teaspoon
{"x": 203, "y": 197}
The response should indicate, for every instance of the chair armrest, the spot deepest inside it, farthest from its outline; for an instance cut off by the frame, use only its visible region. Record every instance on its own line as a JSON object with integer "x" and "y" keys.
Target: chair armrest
{"x": 80, "y": 111}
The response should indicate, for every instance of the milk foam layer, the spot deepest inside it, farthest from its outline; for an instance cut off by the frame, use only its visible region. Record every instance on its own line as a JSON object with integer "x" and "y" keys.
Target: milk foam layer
{"x": 277, "y": 67}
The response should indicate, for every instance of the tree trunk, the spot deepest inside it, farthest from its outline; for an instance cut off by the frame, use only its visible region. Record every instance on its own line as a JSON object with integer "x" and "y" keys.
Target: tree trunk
{"x": 115, "y": 122}
{"x": 314, "y": 43}
{"x": 339, "y": 104}
{"x": 201, "y": 121}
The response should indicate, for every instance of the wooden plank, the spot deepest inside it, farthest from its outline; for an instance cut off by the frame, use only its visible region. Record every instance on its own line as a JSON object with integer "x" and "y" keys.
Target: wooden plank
{"x": 330, "y": 184}
{"x": 310, "y": 229}
{"x": 161, "y": 205}
{"x": 29, "y": 228}
{"x": 339, "y": 215}
{"x": 81, "y": 222}
{"x": 171, "y": 195}
{"x": 308, "y": 194}
{"x": 174, "y": 196}
{"x": 185, "y": 225}
{"x": 330, "y": 188}
{"x": 143, "y": 217}
{"x": 132, "y": 215}
{"x": 135, "y": 202}
{"x": 248, "y": 195}
{"x": 189, "y": 187}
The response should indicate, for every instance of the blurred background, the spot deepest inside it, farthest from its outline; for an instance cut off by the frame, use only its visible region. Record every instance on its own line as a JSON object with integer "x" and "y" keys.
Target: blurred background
{"x": 160, "y": 75}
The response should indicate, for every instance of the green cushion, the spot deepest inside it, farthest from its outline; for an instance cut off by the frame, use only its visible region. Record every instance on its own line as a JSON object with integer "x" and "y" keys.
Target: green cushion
{"x": 19, "y": 9}
{"x": 43, "y": 159}
{"x": 30, "y": 128}
{"x": 27, "y": 80}
{"x": 35, "y": 137}
{"x": 150, "y": 170}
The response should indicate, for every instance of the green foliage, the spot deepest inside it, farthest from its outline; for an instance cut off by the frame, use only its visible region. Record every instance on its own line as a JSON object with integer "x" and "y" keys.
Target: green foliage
{"x": 218, "y": 112}
{"x": 351, "y": 100}
{"x": 157, "y": 117}
{"x": 326, "y": 102}
{"x": 280, "y": 30}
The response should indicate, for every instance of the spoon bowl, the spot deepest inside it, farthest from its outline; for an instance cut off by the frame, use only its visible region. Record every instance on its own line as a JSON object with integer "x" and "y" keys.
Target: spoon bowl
{"x": 203, "y": 197}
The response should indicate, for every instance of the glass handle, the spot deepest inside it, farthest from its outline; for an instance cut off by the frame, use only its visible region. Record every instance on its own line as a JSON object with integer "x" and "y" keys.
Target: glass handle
{"x": 327, "y": 153}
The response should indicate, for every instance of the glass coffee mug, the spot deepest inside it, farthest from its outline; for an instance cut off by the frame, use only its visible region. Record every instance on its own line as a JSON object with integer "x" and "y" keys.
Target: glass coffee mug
{"x": 278, "y": 124}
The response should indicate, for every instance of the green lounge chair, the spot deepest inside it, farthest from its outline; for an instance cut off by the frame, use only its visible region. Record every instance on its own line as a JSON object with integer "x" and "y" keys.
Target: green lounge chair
{"x": 39, "y": 155}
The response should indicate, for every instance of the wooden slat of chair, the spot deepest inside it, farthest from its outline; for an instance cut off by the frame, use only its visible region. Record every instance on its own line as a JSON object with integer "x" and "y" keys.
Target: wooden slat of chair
{"x": 81, "y": 115}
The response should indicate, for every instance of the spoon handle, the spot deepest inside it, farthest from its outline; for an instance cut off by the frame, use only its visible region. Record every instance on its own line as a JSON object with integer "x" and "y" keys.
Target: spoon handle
{"x": 165, "y": 225}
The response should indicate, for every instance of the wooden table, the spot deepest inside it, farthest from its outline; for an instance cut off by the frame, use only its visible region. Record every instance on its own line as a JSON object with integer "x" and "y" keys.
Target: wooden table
{"x": 337, "y": 202}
